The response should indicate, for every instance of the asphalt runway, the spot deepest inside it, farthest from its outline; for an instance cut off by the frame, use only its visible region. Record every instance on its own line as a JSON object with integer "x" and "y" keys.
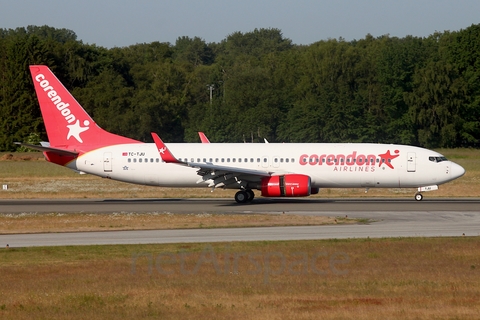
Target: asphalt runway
{"x": 390, "y": 218}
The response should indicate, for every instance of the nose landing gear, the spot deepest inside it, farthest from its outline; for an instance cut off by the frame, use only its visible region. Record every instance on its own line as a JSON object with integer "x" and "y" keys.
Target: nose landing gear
{"x": 419, "y": 196}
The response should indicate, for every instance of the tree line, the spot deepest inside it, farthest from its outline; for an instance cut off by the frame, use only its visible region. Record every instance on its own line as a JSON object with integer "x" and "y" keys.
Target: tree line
{"x": 254, "y": 85}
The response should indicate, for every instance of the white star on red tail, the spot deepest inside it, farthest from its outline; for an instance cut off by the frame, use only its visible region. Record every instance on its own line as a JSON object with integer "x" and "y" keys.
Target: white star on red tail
{"x": 74, "y": 130}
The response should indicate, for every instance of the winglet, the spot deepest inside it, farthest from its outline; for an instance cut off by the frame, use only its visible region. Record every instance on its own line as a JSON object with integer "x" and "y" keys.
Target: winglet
{"x": 203, "y": 137}
{"x": 166, "y": 155}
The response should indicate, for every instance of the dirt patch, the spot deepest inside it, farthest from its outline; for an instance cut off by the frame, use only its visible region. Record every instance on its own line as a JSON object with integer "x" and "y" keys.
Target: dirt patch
{"x": 7, "y": 156}
{"x": 27, "y": 156}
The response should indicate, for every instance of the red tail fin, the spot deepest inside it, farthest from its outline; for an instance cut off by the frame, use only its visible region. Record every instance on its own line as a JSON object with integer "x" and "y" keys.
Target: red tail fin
{"x": 68, "y": 124}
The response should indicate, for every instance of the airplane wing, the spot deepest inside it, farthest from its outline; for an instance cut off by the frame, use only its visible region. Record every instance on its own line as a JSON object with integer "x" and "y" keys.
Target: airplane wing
{"x": 215, "y": 175}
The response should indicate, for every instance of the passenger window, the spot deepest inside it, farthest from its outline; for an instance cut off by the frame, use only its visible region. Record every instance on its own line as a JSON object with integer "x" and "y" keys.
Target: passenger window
{"x": 129, "y": 160}
{"x": 151, "y": 160}
{"x": 134, "y": 160}
{"x": 286, "y": 160}
{"x": 258, "y": 159}
{"x": 157, "y": 160}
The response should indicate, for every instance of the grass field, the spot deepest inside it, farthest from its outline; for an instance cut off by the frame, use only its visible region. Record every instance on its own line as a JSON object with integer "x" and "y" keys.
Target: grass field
{"x": 412, "y": 278}
{"x": 36, "y": 178}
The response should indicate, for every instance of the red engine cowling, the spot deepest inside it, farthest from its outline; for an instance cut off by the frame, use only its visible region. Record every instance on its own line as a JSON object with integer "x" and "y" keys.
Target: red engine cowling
{"x": 289, "y": 185}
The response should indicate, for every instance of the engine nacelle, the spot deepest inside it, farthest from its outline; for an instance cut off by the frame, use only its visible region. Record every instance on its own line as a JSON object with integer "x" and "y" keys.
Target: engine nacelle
{"x": 289, "y": 185}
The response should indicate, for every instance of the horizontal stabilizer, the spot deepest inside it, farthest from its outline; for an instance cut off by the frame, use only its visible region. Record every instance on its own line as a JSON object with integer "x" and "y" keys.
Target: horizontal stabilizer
{"x": 61, "y": 152}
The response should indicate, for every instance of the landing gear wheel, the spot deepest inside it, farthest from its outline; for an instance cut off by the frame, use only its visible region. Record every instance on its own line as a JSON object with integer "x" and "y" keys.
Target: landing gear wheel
{"x": 241, "y": 196}
{"x": 418, "y": 197}
{"x": 250, "y": 195}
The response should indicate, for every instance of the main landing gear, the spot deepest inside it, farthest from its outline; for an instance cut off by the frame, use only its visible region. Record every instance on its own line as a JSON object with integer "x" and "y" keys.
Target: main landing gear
{"x": 244, "y": 196}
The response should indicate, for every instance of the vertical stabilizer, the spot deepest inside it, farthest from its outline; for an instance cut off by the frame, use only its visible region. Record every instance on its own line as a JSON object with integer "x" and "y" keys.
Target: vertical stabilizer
{"x": 68, "y": 125}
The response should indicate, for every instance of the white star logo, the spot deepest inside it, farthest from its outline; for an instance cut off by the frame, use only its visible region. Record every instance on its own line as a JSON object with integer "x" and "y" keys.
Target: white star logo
{"x": 74, "y": 130}
{"x": 162, "y": 150}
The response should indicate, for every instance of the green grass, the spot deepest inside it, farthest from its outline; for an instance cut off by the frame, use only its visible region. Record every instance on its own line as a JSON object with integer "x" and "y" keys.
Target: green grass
{"x": 32, "y": 169}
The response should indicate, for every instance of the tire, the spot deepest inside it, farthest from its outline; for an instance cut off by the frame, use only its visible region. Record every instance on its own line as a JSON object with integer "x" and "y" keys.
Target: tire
{"x": 241, "y": 196}
{"x": 250, "y": 195}
{"x": 418, "y": 197}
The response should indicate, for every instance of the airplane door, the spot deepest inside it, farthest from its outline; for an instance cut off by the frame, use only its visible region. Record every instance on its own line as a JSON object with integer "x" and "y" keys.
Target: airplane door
{"x": 107, "y": 162}
{"x": 411, "y": 162}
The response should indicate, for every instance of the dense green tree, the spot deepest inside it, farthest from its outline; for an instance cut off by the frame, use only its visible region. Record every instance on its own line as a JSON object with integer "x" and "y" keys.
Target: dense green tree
{"x": 255, "y": 85}
{"x": 19, "y": 115}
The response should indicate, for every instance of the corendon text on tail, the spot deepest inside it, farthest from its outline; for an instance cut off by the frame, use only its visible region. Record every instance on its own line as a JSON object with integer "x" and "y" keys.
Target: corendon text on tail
{"x": 56, "y": 99}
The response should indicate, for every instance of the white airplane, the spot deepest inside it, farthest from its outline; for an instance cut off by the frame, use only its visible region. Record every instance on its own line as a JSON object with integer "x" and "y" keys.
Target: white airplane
{"x": 276, "y": 169}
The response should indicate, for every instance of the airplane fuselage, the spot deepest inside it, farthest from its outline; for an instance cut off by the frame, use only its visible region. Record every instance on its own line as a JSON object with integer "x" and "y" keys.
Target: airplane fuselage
{"x": 278, "y": 170}
{"x": 328, "y": 165}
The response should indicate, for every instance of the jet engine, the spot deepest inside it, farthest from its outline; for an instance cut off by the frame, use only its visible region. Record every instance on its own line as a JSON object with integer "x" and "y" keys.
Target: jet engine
{"x": 288, "y": 185}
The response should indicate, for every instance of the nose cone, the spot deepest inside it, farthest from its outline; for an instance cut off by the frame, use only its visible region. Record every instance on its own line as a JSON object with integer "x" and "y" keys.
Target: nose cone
{"x": 457, "y": 171}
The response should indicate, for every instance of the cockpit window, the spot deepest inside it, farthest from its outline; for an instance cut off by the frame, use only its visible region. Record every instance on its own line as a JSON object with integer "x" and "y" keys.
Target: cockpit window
{"x": 437, "y": 159}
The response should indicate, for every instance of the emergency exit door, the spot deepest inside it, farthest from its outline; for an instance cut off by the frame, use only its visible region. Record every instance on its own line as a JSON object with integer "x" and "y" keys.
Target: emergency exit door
{"x": 411, "y": 162}
{"x": 107, "y": 162}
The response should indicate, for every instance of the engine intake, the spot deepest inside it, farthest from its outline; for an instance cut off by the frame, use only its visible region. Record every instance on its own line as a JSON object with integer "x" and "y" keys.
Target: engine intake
{"x": 289, "y": 185}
